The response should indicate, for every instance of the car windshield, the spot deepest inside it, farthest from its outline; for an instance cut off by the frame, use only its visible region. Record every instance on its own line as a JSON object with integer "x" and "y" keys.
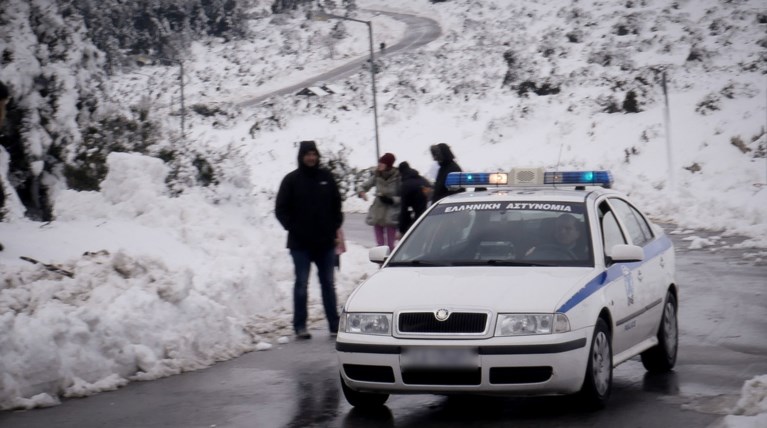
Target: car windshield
{"x": 499, "y": 234}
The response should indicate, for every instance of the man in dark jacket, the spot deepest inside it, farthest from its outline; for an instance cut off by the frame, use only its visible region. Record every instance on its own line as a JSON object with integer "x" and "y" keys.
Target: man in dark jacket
{"x": 5, "y": 95}
{"x": 413, "y": 190}
{"x": 444, "y": 156}
{"x": 309, "y": 208}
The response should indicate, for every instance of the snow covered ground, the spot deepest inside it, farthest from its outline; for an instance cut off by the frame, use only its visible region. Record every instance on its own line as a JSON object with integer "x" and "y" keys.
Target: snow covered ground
{"x": 163, "y": 285}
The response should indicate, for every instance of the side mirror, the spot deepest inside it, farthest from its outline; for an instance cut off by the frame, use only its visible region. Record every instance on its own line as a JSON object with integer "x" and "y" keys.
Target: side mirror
{"x": 379, "y": 254}
{"x": 626, "y": 253}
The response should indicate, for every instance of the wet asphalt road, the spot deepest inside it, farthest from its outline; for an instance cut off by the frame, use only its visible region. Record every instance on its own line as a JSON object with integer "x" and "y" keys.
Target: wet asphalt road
{"x": 296, "y": 384}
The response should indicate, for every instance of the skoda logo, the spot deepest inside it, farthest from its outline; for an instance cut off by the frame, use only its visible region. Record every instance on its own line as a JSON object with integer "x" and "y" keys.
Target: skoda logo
{"x": 442, "y": 314}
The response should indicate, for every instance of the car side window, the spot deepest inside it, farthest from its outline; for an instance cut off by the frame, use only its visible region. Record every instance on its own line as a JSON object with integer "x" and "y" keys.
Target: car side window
{"x": 611, "y": 231}
{"x": 637, "y": 226}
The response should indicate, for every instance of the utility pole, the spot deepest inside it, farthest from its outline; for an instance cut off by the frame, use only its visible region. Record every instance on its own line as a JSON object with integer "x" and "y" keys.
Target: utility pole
{"x": 321, "y": 15}
{"x": 183, "y": 109}
{"x": 373, "y": 79}
{"x": 669, "y": 151}
{"x": 168, "y": 62}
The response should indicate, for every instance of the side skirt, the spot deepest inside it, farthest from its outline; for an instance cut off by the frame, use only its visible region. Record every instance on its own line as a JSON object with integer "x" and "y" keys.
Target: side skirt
{"x": 634, "y": 350}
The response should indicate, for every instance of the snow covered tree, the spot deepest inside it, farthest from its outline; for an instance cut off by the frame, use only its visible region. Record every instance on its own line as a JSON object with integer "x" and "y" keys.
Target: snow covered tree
{"x": 55, "y": 56}
{"x": 55, "y": 75}
{"x": 162, "y": 29}
{"x": 282, "y": 6}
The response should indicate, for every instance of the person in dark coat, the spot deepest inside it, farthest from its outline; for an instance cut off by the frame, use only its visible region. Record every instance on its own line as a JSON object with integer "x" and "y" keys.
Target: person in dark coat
{"x": 309, "y": 207}
{"x": 5, "y": 95}
{"x": 413, "y": 191}
{"x": 444, "y": 156}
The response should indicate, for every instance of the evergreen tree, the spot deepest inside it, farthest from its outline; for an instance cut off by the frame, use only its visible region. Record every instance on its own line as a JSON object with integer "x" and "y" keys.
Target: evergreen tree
{"x": 55, "y": 56}
{"x": 55, "y": 83}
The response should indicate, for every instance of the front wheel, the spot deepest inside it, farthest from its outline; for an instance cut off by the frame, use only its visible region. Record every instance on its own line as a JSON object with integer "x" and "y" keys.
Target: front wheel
{"x": 363, "y": 400}
{"x": 598, "y": 381}
{"x": 662, "y": 357}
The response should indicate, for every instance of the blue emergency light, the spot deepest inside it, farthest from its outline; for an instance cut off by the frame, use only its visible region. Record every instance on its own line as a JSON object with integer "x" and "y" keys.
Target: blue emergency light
{"x": 529, "y": 177}
{"x": 579, "y": 178}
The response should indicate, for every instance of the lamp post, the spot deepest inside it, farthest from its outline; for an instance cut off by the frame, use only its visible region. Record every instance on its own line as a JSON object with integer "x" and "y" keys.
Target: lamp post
{"x": 323, "y": 15}
{"x": 183, "y": 109}
{"x": 180, "y": 62}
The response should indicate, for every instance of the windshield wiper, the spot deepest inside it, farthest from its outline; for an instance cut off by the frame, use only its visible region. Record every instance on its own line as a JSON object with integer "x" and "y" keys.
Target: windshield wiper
{"x": 496, "y": 262}
{"x": 420, "y": 263}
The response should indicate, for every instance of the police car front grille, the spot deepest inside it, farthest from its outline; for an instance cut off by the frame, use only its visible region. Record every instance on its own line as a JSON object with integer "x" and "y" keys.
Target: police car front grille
{"x": 457, "y": 323}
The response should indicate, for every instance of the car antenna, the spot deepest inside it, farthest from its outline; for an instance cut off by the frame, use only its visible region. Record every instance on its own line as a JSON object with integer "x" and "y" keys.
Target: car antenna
{"x": 559, "y": 160}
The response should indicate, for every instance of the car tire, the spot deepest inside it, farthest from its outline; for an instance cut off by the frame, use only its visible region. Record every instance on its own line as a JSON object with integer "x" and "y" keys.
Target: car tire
{"x": 363, "y": 400}
{"x": 662, "y": 357}
{"x": 597, "y": 384}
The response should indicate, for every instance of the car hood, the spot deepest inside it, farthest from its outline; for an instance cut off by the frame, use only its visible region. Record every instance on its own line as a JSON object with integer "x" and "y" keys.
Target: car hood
{"x": 528, "y": 289}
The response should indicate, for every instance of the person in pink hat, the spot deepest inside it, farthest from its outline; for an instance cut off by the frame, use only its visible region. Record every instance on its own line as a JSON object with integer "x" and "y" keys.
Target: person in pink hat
{"x": 383, "y": 214}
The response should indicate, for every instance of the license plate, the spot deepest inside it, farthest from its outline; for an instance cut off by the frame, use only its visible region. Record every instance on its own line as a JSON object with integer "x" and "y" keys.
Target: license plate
{"x": 439, "y": 358}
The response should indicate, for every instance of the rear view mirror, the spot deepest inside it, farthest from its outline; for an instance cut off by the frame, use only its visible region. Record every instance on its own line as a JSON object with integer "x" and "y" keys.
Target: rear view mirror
{"x": 626, "y": 253}
{"x": 378, "y": 254}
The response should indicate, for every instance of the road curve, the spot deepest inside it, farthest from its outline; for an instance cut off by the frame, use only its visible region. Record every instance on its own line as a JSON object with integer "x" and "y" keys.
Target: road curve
{"x": 420, "y": 31}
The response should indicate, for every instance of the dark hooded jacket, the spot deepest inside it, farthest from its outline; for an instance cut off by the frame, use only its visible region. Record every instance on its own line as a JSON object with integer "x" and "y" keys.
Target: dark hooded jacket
{"x": 309, "y": 205}
{"x": 447, "y": 164}
{"x": 412, "y": 192}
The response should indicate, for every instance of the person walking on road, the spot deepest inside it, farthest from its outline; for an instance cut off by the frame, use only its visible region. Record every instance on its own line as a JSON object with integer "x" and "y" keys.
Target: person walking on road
{"x": 309, "y": 207}
{"x": 413, "y": 193}
{"x": 383, "y": 214}
{"x": 444, "y": 156}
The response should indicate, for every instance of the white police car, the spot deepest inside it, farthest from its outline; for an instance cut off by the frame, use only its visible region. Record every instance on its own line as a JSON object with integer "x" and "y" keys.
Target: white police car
{"x": 535, "y": 283}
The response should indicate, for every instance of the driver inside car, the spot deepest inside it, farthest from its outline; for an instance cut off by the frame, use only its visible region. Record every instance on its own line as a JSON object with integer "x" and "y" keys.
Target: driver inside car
{"x": 567, "y": 243}
{"x": 567, "y": 232}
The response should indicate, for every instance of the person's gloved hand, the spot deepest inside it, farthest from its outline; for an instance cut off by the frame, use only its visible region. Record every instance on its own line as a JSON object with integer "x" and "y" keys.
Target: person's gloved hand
{"x": 386, "y": 199}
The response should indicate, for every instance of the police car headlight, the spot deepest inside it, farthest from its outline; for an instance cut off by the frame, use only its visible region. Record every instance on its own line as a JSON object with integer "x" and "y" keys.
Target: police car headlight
{"x": 526, "y": 324}
{"x": 365, "y": 323}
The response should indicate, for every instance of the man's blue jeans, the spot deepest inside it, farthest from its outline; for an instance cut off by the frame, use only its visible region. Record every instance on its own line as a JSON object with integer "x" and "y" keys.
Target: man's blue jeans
{"x": 325, "y": 262}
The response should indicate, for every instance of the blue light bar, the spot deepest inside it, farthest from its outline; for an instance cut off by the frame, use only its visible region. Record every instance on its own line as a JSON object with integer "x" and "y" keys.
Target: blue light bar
{"x": 579, "y": 178}
{"x": 456, "y": 180}
{"x": 529, "y": 177}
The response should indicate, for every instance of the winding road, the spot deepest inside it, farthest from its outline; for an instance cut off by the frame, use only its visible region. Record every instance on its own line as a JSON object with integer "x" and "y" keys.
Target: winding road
{"x": 419, "y": 32}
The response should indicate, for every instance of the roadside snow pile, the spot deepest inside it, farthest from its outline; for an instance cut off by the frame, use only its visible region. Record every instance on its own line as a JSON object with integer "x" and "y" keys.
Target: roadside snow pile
{"x": 125, "y": 315}
{"x": 751, "y": 409}
{"x": 160, "y": 286}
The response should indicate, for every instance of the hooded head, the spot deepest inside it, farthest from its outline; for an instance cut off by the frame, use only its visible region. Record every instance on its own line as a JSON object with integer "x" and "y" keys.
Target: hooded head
{"x": 442, "y": 153}
{"x": 4, "y": 93}
{"x": 403, "y": 167}
{"x": 305, "y": 147}
{"x": 435, "y": 154}
{"x": 406, "y": 171}
{"x": 388, "y": 160}
{"x": 4, "y": 96}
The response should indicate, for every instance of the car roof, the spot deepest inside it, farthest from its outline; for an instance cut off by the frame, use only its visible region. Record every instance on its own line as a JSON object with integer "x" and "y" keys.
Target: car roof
{"x": 561, "y": 194}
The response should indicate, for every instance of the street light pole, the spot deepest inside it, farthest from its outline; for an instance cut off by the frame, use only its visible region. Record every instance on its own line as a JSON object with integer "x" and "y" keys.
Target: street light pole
{"x": 373, "y": 80}
{"x": 181, "y": 85}
{"x": 324, "y": 15}
{"x": 183, "y": 109}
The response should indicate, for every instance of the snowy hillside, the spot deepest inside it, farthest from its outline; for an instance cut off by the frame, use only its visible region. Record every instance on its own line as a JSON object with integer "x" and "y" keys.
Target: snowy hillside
{"x": 478, "y": 83}
{"x": 171, "y": 284}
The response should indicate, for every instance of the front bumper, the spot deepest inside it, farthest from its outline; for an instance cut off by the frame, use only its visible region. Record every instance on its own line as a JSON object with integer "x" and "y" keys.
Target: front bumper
{"x": 528, "y": 365}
